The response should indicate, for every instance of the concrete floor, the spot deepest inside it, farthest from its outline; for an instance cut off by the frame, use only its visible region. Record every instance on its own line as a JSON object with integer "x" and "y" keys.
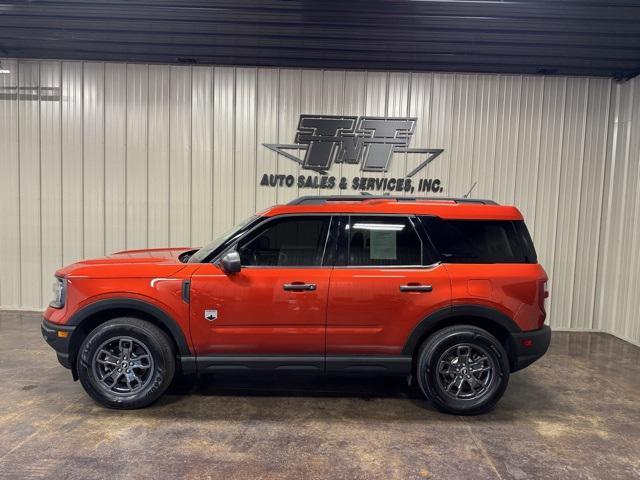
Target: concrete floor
{"x": 574, "y": 414}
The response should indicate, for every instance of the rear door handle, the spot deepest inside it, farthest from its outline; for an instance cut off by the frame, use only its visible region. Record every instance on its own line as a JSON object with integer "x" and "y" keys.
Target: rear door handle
{"x": 299, "y": 287}
{"x": 415, "y": 288}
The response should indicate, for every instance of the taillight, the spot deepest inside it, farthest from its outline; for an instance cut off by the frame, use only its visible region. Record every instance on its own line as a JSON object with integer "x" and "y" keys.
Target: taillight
{"x": 543, "y": 299}
{"x": 545, "y": 295}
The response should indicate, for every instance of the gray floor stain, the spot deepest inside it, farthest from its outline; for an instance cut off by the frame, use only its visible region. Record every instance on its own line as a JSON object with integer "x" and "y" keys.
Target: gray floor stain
{"x": 574, "y": 414}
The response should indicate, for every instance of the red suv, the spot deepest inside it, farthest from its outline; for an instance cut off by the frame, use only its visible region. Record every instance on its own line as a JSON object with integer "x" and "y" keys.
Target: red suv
{"x": 448, "y": 292}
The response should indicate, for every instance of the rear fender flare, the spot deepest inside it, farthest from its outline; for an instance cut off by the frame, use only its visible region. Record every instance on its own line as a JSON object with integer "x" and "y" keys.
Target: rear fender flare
{"x": 441, "y": 316}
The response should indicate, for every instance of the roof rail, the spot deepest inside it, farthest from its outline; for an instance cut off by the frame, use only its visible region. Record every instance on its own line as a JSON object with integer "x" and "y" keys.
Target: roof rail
{"x": 320, "y": 199}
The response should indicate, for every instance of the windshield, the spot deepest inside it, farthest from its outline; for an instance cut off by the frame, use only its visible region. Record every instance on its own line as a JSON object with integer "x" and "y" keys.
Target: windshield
{"x": 207, "y": 250}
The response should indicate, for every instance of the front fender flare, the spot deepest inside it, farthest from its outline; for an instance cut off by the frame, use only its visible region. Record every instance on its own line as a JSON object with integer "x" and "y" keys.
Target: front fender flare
{"x": 137, "y": 305}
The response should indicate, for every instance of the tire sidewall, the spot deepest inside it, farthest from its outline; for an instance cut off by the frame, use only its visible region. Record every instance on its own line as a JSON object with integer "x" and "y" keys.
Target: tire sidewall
{"x": 428, "y": 370}
{"x": 164, "y": 364}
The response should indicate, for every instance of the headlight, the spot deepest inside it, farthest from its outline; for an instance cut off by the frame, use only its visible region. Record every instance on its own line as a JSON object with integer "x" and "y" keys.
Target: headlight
{"x": 59, "y": 293}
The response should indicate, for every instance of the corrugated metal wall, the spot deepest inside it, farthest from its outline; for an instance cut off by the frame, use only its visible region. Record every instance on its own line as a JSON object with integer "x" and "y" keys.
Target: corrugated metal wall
{"x": 99, "y": 157}
{"x": 618, "y": 273}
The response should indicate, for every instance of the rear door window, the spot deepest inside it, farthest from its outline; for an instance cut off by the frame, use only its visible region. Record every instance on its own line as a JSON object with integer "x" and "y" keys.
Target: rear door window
{"x": 480, "y": 241}
{"x": 382, "y": 241}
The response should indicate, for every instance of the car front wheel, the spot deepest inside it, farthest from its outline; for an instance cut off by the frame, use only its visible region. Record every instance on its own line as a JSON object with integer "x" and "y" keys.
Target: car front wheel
{"x": 463, "y": 370}
{"x": 126, "y": 363}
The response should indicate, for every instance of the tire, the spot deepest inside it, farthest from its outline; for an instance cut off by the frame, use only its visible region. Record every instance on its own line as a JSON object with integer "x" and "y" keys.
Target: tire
{"x": 136, "y": 347}
{"x": 463, "y": 370}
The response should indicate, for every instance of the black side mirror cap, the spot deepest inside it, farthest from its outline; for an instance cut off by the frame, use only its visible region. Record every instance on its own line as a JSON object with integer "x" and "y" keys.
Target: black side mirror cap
{"x": 230, "y": 262}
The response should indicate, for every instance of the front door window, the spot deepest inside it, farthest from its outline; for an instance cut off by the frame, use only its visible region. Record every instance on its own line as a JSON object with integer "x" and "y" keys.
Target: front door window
{"x": 287, "y": 242}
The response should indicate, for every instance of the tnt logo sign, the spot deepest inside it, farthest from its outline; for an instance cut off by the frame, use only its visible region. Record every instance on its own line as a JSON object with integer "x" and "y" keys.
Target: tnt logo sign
{"x": 368, "y": 141}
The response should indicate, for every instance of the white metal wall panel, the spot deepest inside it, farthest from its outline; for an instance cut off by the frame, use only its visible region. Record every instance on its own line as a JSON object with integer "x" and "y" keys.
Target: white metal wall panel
{"x": 630, "y": 327}
{"x": 590, "y": 204}
{"x": 397, "y": 106}
{"x": 202, "y": 134}
{"x": 93, "y": 159}
{"x": 441, "y": 125}
{"x": 460, "y": 174}
{"x": 486, "y": 107}
{"x": 10, "y": 245}
{"x": 51, "y": 171}
{"x": 223, "y": 148}
{"x": 627, "y": 310}
{"x": 245, "y": 150}
{"x": 115, "y": 153}
{"x": 624, "y": 214}
{"x": 72, "y": 216}
{"x": 618, "y": 272}
{"x": 159, "y": 142}
{"x": 549, "y": 161}
{"x": 619, "y": 266}
{"x": 420, "y": 108}
{"x": 135, "y": 156}
{"x": 180, "y": 157}
{"x": 611, "y": 232}
{"x": 288, "y": 111}
{"x": 612, "y": 279}
{"x": 136, "y": 165}
{"x": 268, "y": 95}
{"x": 507, "y": 139}
{"x": 29, "y": 181}
{"x": 529, "y": 146}
{"x": 568, "y": 198}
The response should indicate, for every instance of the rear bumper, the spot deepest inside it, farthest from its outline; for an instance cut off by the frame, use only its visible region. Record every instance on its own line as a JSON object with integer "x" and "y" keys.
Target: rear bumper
{"x": 529, "y": 347}
{"x": 58, "y": 337}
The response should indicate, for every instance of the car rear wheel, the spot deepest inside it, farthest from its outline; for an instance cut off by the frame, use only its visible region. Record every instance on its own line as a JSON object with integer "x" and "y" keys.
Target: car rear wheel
{"x": 126, "y": 363}
{"x": 462, "y": 370}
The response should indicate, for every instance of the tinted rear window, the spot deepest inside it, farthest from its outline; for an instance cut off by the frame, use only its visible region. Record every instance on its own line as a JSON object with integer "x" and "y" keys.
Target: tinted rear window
{"x": 480, "y": 241}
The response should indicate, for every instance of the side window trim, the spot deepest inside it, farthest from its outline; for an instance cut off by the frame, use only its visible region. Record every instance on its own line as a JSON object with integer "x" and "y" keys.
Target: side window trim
{"x": 435, "y": 253}
{"x": 265, "y": 224}
{"x": 330, "y": 255}
{"x": 326, "y": 242}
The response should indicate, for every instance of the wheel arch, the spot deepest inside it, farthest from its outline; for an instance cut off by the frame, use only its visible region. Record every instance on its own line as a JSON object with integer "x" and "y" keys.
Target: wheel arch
{"x": 89, "y": 317}
{"x": 495, "y": 322}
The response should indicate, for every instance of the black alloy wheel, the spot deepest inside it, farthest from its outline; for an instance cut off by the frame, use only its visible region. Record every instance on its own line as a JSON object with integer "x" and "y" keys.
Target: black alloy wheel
{"x": 462, "y": 370}
{"x": 126, "y": 363}
{"x": 122, "y": 365}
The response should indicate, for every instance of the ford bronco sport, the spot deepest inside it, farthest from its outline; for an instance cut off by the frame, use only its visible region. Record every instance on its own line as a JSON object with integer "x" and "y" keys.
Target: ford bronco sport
{"x": 447, "y": 292}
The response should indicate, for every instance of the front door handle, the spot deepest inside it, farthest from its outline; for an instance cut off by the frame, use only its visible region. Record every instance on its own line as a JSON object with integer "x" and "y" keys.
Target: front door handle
{"x": 415, "y": 288}
{"x": 299, "y": 287}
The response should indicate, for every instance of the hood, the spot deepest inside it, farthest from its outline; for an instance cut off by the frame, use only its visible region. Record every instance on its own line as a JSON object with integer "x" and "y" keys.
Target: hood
{"x": 150, "y": 254}
{"x": 151, "y": 262}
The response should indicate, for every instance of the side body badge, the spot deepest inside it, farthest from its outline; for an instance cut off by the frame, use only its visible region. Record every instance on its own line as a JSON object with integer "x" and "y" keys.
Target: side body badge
{"x": 210, "y": 315}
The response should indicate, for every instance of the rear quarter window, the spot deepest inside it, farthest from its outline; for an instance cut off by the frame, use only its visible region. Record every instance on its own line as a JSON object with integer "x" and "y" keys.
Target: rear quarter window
{"x": 480, "y": 241}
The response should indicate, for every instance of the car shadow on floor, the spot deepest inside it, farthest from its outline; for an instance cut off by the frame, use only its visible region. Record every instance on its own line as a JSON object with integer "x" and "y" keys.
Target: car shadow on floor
{"x": 292, "y": 385}
{"x": 265, "y": 393}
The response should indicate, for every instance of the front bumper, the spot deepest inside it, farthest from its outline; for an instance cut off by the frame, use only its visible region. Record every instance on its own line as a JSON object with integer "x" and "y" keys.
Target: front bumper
{"x": 529, "y": 347}
{"x": 58, "y": 337}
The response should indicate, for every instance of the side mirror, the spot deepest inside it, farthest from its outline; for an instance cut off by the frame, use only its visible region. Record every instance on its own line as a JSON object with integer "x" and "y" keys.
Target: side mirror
{"x": 230, "y": 262}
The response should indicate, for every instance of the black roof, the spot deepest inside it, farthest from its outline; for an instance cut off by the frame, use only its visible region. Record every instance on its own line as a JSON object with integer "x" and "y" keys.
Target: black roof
{"x": 319, "y": 199}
